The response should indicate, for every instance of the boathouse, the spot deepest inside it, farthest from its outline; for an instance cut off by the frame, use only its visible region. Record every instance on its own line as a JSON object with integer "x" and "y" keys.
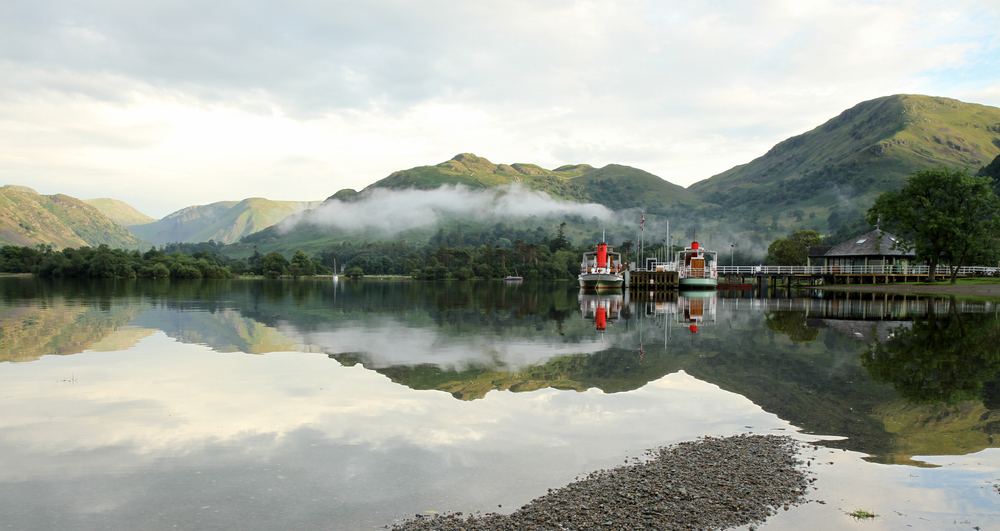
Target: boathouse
{"x": 874, "y": 248}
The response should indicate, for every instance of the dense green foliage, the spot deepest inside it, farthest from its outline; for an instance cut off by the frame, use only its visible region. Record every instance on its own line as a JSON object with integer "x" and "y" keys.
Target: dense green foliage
{"x": 794, "y": 250}
{"x": 445, "y": 256}
{"x": 992, "y": 171}
{"x": 945, "y": 215}
{"x": 105, "y": 262}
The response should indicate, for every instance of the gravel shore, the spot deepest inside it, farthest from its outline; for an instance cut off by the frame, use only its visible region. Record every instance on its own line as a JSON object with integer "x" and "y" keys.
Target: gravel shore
{"x": 711, "y": 483}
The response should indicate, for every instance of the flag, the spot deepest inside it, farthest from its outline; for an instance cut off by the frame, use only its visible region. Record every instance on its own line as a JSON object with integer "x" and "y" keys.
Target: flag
{"x": 642, "y": 223}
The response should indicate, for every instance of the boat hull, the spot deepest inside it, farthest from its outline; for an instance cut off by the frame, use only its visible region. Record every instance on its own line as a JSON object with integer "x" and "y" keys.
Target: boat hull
{"x": 698, "y": 283}
{"x": 601, "y": 281}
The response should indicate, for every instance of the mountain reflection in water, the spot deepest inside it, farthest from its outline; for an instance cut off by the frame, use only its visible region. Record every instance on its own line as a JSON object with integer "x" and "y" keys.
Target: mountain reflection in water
{"x": 896, "y": 376}
{"x": 357, "y": 387}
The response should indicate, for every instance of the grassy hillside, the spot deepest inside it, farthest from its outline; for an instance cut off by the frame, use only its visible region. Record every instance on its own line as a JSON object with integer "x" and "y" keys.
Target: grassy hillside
{"x": 119, "y": 211}
{"x": 477, "y": 172}
{"x": 620, "y": 187}
{"x": 614, "y": 186}
{"x": 29, "y": 218}
{"x": 845, "y": 163}
{"x": 225, "y": 221}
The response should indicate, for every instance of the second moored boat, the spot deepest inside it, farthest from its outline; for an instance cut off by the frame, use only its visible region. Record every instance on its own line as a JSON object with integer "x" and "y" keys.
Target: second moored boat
{"x": 696, "y": 267}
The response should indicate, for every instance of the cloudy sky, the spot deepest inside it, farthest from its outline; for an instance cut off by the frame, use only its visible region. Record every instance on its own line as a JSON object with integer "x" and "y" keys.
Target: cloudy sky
{"x": 166, "y": 104}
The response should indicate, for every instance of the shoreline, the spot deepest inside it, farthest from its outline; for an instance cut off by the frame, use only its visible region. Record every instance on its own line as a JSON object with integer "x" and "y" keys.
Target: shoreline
{"x": 709, "y": 483}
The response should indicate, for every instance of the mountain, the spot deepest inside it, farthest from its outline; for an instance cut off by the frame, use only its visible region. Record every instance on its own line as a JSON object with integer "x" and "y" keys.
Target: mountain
{"x": 119, "y": 211}
{"x": 224, "y": 221}
{"x": 842, "y": 165}
{"x": 615, "y": 186}
{"x": 29, "y": 218}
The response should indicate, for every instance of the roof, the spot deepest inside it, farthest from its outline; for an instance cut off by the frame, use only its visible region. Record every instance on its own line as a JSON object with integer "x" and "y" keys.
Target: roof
{"x": 874, "y": 243}
{"x": 817, "y": 251}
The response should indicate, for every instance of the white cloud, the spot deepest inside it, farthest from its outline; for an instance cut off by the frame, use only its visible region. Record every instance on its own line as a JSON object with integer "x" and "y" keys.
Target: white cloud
{"x": 391, "y": 211}
{"x": 213, "y": 102}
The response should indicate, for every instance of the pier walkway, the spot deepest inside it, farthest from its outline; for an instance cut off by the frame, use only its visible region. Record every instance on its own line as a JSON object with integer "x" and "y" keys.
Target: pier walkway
{"x": 870, "y": 274}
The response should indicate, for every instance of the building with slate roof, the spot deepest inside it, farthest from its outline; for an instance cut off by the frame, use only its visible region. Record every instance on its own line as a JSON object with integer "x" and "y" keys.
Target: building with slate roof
{"x": 870, "y": 249}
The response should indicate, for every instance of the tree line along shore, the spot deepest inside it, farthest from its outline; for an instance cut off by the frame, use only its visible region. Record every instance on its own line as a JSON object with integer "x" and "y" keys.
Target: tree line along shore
{"x": 943, "y": 216}
{"x": 543, "y": 259}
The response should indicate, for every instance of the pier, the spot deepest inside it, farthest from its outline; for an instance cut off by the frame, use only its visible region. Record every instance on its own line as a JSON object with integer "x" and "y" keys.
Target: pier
{"x": 764, "y": 279}
{"x": 654, "y": 281}
{"x": 772, "y": 277}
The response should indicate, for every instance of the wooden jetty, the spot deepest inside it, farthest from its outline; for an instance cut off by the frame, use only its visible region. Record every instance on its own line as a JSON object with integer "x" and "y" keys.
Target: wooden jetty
{"x": 773, "y": 277}
{"x": 654, "y": 281}
{"x": 763, "y": 279}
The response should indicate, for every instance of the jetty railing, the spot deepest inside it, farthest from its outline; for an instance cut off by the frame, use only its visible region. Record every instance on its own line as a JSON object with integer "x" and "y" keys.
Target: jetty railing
{"x": 969, "y": 271}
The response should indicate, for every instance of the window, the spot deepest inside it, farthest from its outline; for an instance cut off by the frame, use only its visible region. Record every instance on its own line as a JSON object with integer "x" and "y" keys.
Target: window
{"x": 862, "y": 240}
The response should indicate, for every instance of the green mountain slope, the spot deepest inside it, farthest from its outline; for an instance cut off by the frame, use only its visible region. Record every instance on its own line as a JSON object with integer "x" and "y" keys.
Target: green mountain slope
{"x": 224, "y": 221}
{"x": 619, "y": 187}
{"x": 614, "y": 186}
{"x": 846, "y": 162}
{"x": 119, "y": 211}
{"x": 29, "y": 218}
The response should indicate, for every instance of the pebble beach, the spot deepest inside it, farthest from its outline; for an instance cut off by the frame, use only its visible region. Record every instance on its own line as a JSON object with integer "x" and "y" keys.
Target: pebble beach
{"x": 710, "y": 483}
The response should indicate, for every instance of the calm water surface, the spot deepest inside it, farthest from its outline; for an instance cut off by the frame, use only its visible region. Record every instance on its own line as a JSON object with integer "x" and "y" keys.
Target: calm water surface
{"x": 311, "y": 405}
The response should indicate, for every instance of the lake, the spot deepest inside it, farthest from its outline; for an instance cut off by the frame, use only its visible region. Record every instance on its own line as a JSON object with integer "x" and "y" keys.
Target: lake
{"x": 310, "y": 404}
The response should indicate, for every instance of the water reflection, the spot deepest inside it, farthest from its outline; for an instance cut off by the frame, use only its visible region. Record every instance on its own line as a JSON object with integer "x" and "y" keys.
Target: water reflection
{"x": 160, "y": 384}
{"x": 868, "y": 368}
{"x": 602, "y": 309}
{"x": 939, "y": 359}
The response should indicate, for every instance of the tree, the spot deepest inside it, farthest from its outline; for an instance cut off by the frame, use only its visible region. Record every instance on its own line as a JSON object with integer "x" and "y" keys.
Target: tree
{"x": 274, "y": 265}
{"x": 625, "y": 248}
{"x": 992, "y": 170}
{"x": 256, "y": 262}
{"x": 793, "y": 251}
{"x": 301, "y": 265}
{"x": 560, "y": 242}
{"x": 943, "y": 215}
{"x": 354, "y": 272}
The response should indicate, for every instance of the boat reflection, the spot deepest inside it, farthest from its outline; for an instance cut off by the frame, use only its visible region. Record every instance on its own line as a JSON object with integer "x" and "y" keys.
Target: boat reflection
{"x": 602, "y": 309}
{"x": 696, "y": 308}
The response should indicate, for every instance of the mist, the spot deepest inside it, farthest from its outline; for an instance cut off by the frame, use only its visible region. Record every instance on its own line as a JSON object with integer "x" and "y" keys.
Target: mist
{"x": 391, "y": 211}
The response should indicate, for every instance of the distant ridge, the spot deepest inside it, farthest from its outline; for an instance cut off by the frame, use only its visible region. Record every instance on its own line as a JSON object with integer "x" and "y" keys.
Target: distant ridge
{"x": 224, "y": 221}
{"x": 28, "y": 218}
{"x": 615, "y": 186}
{"x": 119, "y": 211}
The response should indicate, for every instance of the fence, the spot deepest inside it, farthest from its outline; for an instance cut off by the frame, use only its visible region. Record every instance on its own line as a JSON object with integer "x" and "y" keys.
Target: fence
{"x": 977, "y": 271}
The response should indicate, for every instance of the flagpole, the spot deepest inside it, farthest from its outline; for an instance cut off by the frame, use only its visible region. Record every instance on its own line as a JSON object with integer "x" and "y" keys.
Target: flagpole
{"x": 642, "y": 240}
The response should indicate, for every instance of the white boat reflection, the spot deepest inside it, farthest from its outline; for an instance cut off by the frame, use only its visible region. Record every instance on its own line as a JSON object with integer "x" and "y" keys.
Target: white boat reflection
{"x": 696, "y": 308}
